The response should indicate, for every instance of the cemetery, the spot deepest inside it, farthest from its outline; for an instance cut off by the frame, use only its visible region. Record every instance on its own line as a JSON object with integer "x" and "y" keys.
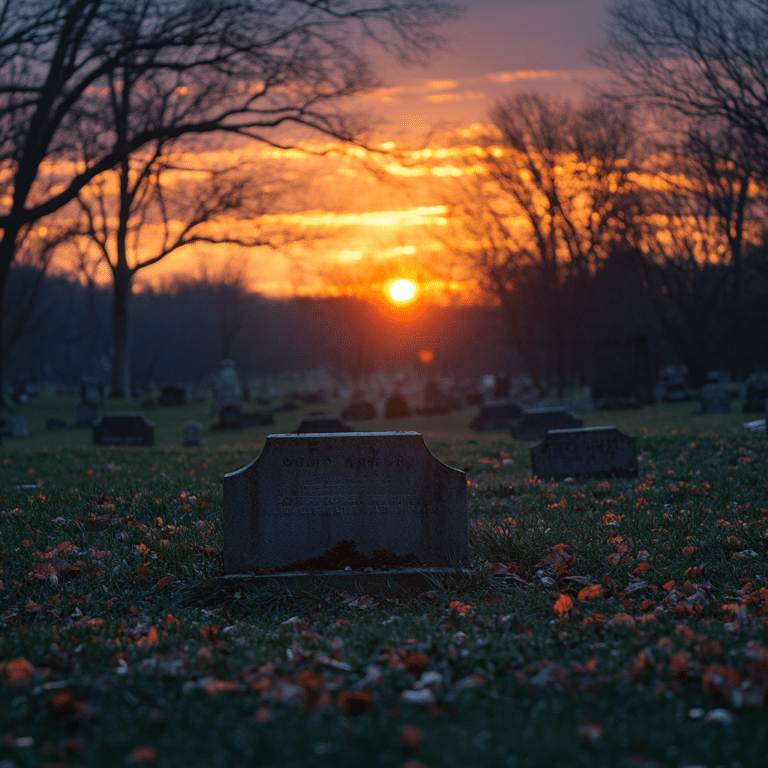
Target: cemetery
{"x": 426, "y": 584}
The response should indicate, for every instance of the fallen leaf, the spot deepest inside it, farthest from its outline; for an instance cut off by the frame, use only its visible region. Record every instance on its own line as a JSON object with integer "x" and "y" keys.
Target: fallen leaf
{"x": 563, "y": 605}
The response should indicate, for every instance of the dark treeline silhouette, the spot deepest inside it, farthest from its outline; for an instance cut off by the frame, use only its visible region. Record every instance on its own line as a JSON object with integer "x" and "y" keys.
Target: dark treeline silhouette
{"x": 182, "y": 333}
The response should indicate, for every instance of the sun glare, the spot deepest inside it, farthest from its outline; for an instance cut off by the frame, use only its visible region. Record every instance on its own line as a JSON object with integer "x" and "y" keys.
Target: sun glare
{"x": 402, "y": 291}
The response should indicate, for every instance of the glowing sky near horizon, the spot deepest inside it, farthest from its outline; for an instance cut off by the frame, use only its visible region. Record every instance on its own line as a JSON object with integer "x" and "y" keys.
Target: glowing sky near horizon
{"x": 379, "y": 232}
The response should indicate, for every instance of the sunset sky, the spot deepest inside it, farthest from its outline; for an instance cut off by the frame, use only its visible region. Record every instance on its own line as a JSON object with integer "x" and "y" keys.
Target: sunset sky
{"x": 377, "y": 232}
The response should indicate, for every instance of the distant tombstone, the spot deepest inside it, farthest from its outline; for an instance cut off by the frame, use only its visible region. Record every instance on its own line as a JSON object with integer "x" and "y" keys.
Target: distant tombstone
{"x": 87, "y": 414}
{"x": 376, "y": 491}
{"x": 259, "y": 418}
{"x": 396, "y": 407}
{"x": 13, "y": 426}
{"x": 91, "y": 391}
{"x": 124, "y": 429}
{"x": 192, "y": 430}
{"x": 534, "y": 423}
{"x": 55, "y": 425}
{"x": 172, "y": 395}
{"x": 360, "y": 410}
{"x": 714, "y": 399}
{"x": 228, "y": 389}
{"x": 756, "y": 393}
{"x": 230, "y": 417}
{"x": 496, "y": 415}
{"x": 756, "y": 427}
{"x": 621, "y": 371}
{"x": 501, "y": 386}
{"x": 594, "y": 452}
{"x": 319, "y": 424}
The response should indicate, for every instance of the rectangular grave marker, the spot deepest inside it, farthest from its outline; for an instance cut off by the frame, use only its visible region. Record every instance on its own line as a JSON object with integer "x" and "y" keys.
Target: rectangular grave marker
{"x": 124, "y": 429}
{"x": 306, "y": 493}
{"x": 594, "y": 452}
{"x": 534, "y": 423}
{"x": 714, "y": 399}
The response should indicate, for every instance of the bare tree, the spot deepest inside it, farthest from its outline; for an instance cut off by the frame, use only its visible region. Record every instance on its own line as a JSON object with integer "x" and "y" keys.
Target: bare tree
{"x": 552, "y": 200}
{"x": 244, "y": 67}
{"x": 701, "y": 58}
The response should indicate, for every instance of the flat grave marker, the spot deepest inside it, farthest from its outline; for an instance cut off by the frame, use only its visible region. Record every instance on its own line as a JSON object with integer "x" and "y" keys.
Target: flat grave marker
{"x": 590, "y": 453}
{"x": 534, "y": 423}
{"x": 124, "y": 429}
{"x": 382, "y": 494}
{"x": 192, "y": 430}
{"x": 496, "y": 415}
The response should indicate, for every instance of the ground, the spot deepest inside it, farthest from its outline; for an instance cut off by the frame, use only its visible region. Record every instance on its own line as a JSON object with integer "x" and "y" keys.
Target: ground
{"x": 615, "y": 623}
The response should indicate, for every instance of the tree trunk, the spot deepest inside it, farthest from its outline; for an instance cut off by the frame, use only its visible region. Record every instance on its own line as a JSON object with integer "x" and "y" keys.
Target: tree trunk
{"x": 121, "y": 374}
{"x": 7, "y": 254}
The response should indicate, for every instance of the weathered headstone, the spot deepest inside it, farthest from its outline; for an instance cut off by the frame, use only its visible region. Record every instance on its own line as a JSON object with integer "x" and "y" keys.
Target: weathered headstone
{"x": 192, "y": 430}
{"x": 259, "y": 418}
{"x": 360, "y": 410}
{"x": 756, "y": 394}
{"x": 87, "y": 414}
{"x": 172, "y": 395}
{"x": 534, "y": 423}
{"x": 230, "y": 417}
{"x": 381, "y": 491}
{"x": 124, "y": 429}
{"x": 13, "y": 426}
{"x": 228, "y": 389}
{"x": 55, "y": 425}
{"x": 594, "y": 452}
{"x": 91, "y": 391}
{"x": 714, "y": 399}
{"x": 396, "y": 407}
{"x": 496, "y": 415}
{"x": 322, "y": 424}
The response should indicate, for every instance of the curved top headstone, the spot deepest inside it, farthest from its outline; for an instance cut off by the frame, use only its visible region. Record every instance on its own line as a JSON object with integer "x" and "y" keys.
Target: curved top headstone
{"x": 306, "y": 493}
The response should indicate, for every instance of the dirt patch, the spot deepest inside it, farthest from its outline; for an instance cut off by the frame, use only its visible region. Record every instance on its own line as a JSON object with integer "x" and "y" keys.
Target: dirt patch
{"x": 345, "y": 554}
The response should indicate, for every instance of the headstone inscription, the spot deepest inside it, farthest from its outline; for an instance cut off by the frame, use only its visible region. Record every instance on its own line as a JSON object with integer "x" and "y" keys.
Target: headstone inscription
{"x": 534, "y": 423}
{"x": 382, "y": 491}
{"x": 322, "y": 424}
{"x": 714, "y": 399}
{"x": 192, "y": 430}
{"x": 496, "y": 415}
{"x": 124, "y": 429}
{"x": 87, "y": 414}
{"x": 593, "y": 452}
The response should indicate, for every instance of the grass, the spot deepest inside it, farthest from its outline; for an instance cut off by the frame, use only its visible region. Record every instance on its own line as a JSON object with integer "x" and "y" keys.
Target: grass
{"x": 613, "y": 623}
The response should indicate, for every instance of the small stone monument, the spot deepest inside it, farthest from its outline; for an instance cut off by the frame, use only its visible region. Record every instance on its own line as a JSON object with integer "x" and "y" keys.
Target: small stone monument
{"x": 172, "y": 395}
{"x": 228, "y": 390}
{"x": 396, "y": 407}
{"x": 192, "y": 430}
{"x": 260, "y": 418}
{"x": 321, "y": 424}
{"x": 124, "y": 429}
{"x": 714, "y": 399}
{"x": 13, "y": 426}
{"x": 534, "y": 423}
{"x": 756, "y": 394}
{"x": 594, "y": 452}
{"x": 91, "y": 391}
{"x": 496, "y": 415}
{"x": 382, "y": 495}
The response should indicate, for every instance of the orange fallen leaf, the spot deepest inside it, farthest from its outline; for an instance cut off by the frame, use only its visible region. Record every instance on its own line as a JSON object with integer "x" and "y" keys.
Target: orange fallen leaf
{"x": 143, "y": 755}
{"x": 164, "y": 582}
{"x": 354, "y": 702}
{"x": 411, "y": 736}
{"x": 19, "y": 671}
{"x": 592, "y": 592}
{"x": 669, "y": 586}
{"x": 414, "y": 661}
{"x": 215, "y": 687}
{"x": 563, "y": 605}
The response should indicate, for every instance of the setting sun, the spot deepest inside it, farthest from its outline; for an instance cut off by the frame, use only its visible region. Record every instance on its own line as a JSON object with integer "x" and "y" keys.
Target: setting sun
{"x": 402, "y": 290}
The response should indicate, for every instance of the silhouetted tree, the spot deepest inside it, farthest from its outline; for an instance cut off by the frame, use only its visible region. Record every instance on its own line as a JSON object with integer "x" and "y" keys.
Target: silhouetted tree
{"x": 241, "y": 67}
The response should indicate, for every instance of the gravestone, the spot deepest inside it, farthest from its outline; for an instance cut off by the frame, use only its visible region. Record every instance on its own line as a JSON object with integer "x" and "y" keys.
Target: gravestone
{"x": 594, "y": 452}
{"x": 192, "y": 430}
{"x": 172, "y": 395}
{"x": 396, "y": 407}
{"x": 360, "y": 410}
{"x": 91, "y": 391}
{"x": 375, "y": 491}
{"x": 13, "y": 426}
{"x": 87, "y": 414}
{"x": 322, "y": 424}
{"x": 55, "y": 425}
{"x": 714, "y": 399}
{"x": 228, "y": 390}
{"x": 124, "y": 429}
{"x": 756, "y": 393}
{"x": 260, "y": 418}
{"x": 534, "y": 423}
{"x": 496, "y": 415}
{"x": 230, "y": 417}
